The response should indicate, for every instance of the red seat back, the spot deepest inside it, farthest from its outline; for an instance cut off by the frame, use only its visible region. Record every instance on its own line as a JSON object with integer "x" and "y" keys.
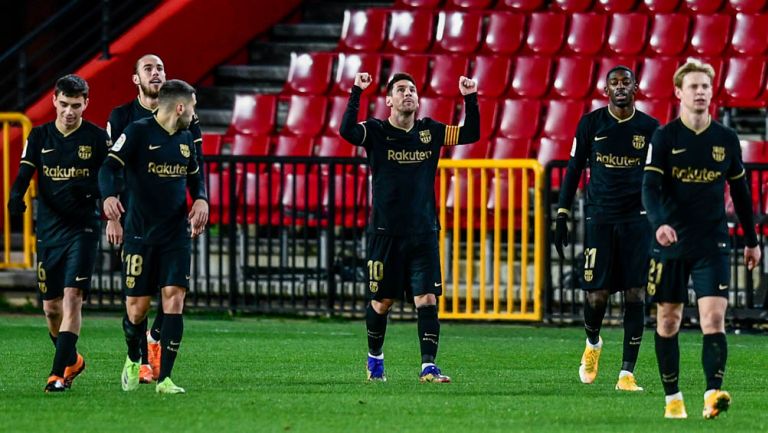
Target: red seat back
{"x": 586, "y": 34}
{"x": 627, "y": 35}
{"x": 505, "y": 32}
{"x": 350, "y": 64}
{"x": 655, "y": 79}
{"x": 363, "y": 30}
{"x": 410, "y": 31}
{"x": 546, "y": 31}
{"x": 669, "y": 34}
{"x": 309, "y": 73}
{"x": 306, "y": 115}
{"x": 562, "y": 118}
{"x": 530, "y": 78}
{"x": 750, "y": 34}
{"x": 520, "y": 118}
{"x": 458, "y": 32}
{"x": 573, "y": 77}
{"x": 710, "y": 34}
{"x": 446, "y": 70}
{"x": 414, "y": 64}
{"x": 253, "y": 114}
{"x": 493, "y": 73}
{"x": 660, "y": 109}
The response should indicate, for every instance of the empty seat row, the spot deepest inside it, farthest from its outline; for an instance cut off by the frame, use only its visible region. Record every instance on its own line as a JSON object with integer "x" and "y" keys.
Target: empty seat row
{"x": 547, "y": 33}
{"x": 659, "y": 6}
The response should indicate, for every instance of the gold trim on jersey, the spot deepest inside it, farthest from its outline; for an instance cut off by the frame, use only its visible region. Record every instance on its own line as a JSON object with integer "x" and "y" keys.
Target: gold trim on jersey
{"x": 622, "y": 120}
{"x": 162, "y": 126}
{"x": 197, "y": 139}
{"x": 27, "y": 162}
{"x": 153, "y": 110}
{"x": 117, "y": 158}
{"x": 697, "y": 132}
{"x": 652, "y": 168}
{"x": 564, "y": 210}
{"x": 68, "y": 133}
{"x": 451, "y": 135}
{"x": 196, "y": 170}
{"x": 365, "y": 131}
{"x": 738, "y": 176}
{"x": 402, "y": 129}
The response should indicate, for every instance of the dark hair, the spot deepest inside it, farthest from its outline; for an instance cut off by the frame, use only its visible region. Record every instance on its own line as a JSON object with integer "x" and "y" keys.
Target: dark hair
{"x": 398, "y": 77}
{"x": 72, "y": 85}
{"x": 173, "y": 90}
{"x": 620, "y": 68}
{"x": 136, "y": 65}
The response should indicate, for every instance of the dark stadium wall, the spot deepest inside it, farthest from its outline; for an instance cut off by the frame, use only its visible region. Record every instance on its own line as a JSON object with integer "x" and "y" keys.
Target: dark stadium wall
{"x": 191, "y": 36}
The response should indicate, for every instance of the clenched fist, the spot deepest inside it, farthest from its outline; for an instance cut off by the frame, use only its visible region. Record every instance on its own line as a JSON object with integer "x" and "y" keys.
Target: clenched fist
{"x": 363, "y": 80}
{"x": 467, "y": 85}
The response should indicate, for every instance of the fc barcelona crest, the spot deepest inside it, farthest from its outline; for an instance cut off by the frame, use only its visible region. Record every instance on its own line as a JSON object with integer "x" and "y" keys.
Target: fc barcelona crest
{"x": 184, "y": 148}
{"x": 130, "y": 282}
{"x": 425, "y": 136}
{"x": 84, "y": 152}
{"x": 373, "y": 286}
{"x": 588, "y": 275}
{"x": 638, "y": 142}
{"x": 718, "y": 153}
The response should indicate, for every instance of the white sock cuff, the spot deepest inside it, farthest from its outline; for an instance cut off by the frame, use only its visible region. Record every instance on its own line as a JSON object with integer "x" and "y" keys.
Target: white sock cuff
{"x": 376, "y": 356}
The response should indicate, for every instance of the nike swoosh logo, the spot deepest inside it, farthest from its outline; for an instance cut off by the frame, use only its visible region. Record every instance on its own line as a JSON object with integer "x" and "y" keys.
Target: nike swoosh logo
{"x": 48, "y": 150}
{"x": 722, "y": 286}
{"x": 151, "y": 147}
{"x": 81, "y": 278}
{"x": 391, "y": 139}
{"x": 438, "y": 284}
{"x": 186, "y": 276}
{"x": 676, "y": 151}
{"x": 600, "y": 138}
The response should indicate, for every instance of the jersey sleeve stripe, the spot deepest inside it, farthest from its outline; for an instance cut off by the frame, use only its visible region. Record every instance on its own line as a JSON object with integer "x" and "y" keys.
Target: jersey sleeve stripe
{"x": 451, "y": 135}
{"x": 651, "y": 168}
{"x": 117, "y": 158}
{"x": 196, "y": 171}
{"x": 738, "y": 176}
{"x": 198, "y": 139}
{"x": 365, "y": 131}
{"x": 29, "y": 163}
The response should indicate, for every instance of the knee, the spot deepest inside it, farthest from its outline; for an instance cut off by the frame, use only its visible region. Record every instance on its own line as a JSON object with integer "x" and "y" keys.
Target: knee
{"x": 382, "y": 307}
{"x": 712, "y": 322}
{"x": 425, "y": 300}
{"x": 635, "y": 295}
{"x": 668, "y": 324}
{"x": 173, "y": 300}
{"x": 52, "y": 310}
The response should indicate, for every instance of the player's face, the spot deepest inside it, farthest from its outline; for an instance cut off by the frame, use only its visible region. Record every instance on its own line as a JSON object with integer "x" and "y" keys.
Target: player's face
{"x": 150, "y": 75}
{"x": 186, "y": 114}
{"x": 696, "y": 92}
{"x": 621, "y": 88}
{"x": 69, "y": 110}
{"x": 404, "y": 97}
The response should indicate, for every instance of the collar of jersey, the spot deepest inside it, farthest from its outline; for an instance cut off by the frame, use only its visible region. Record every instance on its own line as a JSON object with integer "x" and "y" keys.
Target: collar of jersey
{"x": 161, "y": 125}
{"x": 67, "y": 134}
{"x": 402, "y": 129}
{"x": 697, "y": 132}
{"x": 634, "y": 110}
{"x": 144, "y": 106}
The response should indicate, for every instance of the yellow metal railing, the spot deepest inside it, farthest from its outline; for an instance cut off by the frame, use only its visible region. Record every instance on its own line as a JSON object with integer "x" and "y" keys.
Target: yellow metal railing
{"x": 500, "y": 275}
{"x": 9, "y": 121}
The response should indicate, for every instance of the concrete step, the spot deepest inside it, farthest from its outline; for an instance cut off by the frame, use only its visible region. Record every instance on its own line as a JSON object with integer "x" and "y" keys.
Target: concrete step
{"x": 330, "y": 32}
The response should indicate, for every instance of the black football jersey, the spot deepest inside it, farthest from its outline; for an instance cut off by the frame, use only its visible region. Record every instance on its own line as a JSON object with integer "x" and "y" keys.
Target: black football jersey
{"x": 695, "y": 166}
{"x": 614, "y": 150}
{"x": 157, "y": 166}
{"x": 68, "y": 167}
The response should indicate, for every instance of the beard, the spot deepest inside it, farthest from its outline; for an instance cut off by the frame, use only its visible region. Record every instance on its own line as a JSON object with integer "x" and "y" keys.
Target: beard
{"x": 183, "y": 123}
{"x": 148, "y": 91}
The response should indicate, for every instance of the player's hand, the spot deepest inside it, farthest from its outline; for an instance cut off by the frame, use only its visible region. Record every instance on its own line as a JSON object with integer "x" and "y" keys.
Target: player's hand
{"x": 363, "y": 80}
{"x": 198, "y": 216}
{"x": 114, "y": 232}
{"x": 666, "y": 235}
{"x": 16, "y": 206}
{"x": 113, "y": 208}
{"x": 561, "y": 233}
{"x": 752, "y": 256}
{"x": 467, "y": 85}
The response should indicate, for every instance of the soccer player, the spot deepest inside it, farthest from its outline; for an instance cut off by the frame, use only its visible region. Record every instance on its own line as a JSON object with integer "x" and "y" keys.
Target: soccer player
{"x": 403, "y": 251}
{"x": 612, "y": 142}
{"x": 148, "y": 76}
{"x": 157, "y": 154}
{"x": 67, "y": 153}
{"x": 683, "y": 191}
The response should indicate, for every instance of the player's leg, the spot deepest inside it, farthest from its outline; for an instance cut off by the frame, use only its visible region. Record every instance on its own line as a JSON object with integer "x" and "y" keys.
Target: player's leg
{"x": 153, "y": 340}
{"x": 67, "y": 360}
{"x": 634, "y": 321}
{"x": 711, "y": 278}
{"x": 599, "y": 249}
{"x": 384, "y": 286}
{"x": 594, "y": 312}
{"x": 425, "y": 281}
{"x": 50, "y": 284}
{"x": 174, "y": 278}
{"x": 81, "y": 260}
{"x": 53, "y": 316}
{"x": 140, "y": 281}
{"x": 668, "y": 319}
{"x": 52, "y": 310}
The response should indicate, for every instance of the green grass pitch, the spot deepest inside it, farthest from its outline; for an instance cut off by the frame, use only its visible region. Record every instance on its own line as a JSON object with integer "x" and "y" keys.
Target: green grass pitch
{"x": 280, "y": 375}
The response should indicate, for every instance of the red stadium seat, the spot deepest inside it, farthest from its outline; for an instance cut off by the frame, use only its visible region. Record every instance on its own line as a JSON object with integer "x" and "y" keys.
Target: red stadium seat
{"x": 615, "y": 6}
{"x": 546, "y": 31}
{"x": 571, "y": 6}
{"x": 573, "y": 77}
{"x": 333, "y": 146}
{"x": 410, "y": 31}
{"x": 414, "y": 64}
{"x": 554, "y": 150}
{"x": 510, "y": 148}
{"x": 419, "y": 4}
{"x": 750, "y": 34}
{"x": 702, "y": 6}
{"x": 212, "y": 144}
{"x": 306, "y": 115}
{"x": 655, "y": 78}
{"x": 586, "y": 34}
{"x": 669, "y": 34}
{"x": 218, "y": 190}
{"x": 660, "y": 109}
{"x": 530, "y": 78}
{"x": 522, "y": 5}
{"x": 520, "y": 118}
{"x": 336, "y": 107}
{"x": 250, "y": 145}
{"x": 380, "y": 109}
{"x": 301, "y": 199}
{"x": 446, "y": 70}
{"x": 459, "y": 203}
{"x": 562, "y": 118}
{"x": 754, "y": 152}
{"x": 605, "y": 64}
{"x": 596, "y": 103}
{"x": 253, "y": 114}
{"x": 492, "y": 75}
{"x": 627, "y": 35}
{"x": 261, "y": 194}
{"x": 710, "y": 34}
{"x": 363, "y": 30}
{"x": 458, "y": 32}
{"x": 350, "y": 64}
{"x": 309, "y": 73}
{"x": 288, "y": 145}
{"x": 469, "y": 4}
{"x": 489, "y": 108}
{"x": 743, "y": 82}
{"x": 478, "y": 150}
{"x": 746, "y": 6}
{"x": 440, "y": 109}
{"x": 505, "y": 33}
{"x": 661, "y": 6}
{"x": 347, "y": 208}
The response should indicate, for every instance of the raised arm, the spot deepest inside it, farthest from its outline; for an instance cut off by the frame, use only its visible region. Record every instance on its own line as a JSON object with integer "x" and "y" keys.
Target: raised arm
{"x": 350, "y": 130}
{"x": 470, "y": 131}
